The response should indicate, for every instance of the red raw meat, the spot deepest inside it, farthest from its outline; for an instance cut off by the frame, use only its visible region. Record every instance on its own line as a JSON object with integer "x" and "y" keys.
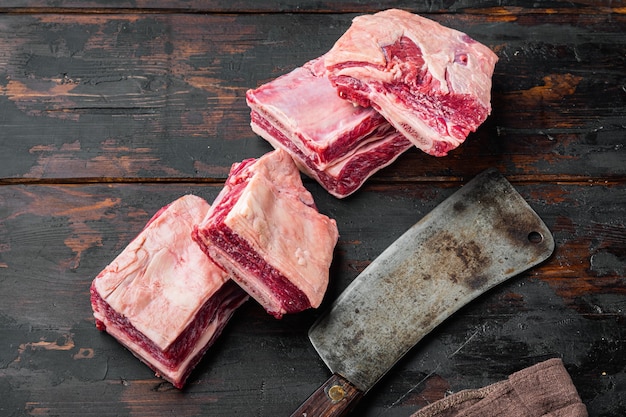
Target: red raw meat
{"x": 331, "y": 140}
{"x": 266, "y": 231}
{"x": 162, "y": 297}
{"x": 432, "y": 83}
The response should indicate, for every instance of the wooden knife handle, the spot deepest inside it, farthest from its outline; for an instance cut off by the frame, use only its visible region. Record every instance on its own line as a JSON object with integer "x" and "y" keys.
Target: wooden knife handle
{"x": 335, "y": 398}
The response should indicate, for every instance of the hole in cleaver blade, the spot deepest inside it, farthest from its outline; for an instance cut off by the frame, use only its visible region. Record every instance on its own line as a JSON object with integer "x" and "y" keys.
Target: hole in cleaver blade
{"x": 477, "y": 238}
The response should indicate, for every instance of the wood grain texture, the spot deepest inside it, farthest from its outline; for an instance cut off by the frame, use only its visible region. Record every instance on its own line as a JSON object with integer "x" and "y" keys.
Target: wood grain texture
{"x": 570, "y": 306}
{"x": 110, "y": 110}
{"x": 162, "y": 95}
{"x": 297, "y": 6}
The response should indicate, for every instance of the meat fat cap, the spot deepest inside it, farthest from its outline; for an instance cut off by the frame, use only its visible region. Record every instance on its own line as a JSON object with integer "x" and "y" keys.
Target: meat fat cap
{"x": 441, "y": 46}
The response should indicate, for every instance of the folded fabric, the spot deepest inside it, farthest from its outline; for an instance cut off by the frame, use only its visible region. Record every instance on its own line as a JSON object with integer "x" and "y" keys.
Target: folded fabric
{"x": 542, "y": 390}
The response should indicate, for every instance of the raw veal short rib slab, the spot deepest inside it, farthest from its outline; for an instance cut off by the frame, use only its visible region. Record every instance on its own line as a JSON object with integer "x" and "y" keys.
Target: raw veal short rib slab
{"x": 331, "y": 140}
{"x": 265, "y": 229}
{"x": 162, "y": 297}
{"x": 432, "y": 83}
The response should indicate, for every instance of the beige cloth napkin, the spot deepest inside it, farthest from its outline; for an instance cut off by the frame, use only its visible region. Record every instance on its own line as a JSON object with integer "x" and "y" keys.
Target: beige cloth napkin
{"x": 542, "y": 390}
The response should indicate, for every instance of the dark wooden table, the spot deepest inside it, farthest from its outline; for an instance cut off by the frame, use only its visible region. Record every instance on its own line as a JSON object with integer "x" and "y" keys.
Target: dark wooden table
{"x": 110, "y": 110}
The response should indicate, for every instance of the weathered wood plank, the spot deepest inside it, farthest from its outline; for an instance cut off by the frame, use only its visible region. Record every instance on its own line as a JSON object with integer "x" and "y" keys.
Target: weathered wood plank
{"x": 162, "y": 95}
{"x": 297, "y": 6}
{"x": 56, "y": 238}
{"x": 97, "y": 99}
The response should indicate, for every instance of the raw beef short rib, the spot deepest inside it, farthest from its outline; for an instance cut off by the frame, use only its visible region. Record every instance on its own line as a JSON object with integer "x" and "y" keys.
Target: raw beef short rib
{"x": 432, "y": 83}
{"x": 162, "y": 297}
{"x": 266, "y": 231}
{"x": 331, "y": 140}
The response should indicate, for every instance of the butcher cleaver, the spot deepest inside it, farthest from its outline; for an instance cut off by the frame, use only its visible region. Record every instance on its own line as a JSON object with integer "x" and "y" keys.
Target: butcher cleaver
{"x": 477, "y": 238}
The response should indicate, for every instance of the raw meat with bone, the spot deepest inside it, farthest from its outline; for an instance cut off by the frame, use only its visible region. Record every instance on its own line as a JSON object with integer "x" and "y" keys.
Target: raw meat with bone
{"x": 432, "y": 83}
{"x": 162, "y": 297}
{"x": 332, "y": 141}
{"x": 265, "y": 229}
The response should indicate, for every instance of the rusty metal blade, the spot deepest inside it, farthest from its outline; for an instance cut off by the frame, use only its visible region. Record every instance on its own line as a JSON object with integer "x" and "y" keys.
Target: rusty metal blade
{"x": 477, "y": 238}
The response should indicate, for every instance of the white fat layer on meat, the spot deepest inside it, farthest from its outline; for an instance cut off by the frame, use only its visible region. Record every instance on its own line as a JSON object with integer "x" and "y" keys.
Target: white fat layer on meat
{"x": 288, "y": 234}
{"x": 440, "y": 47}
{"x": 304, "y": 106}
{"x": 261, "y": 293}
{"x": 453, "y": 63}
{"x": 175, "y": 373}
{"x": 162, "y": 278}
{"x": 333, "y": 174}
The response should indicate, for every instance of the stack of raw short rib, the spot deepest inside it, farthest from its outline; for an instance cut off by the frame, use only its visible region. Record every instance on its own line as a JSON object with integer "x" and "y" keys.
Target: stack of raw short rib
{"x": 168, "y": 295}
{"x": 393, "y": 80}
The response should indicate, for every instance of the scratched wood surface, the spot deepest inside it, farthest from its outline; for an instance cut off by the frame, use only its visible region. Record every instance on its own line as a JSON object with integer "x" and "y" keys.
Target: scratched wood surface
{"x": 110, "y": 110}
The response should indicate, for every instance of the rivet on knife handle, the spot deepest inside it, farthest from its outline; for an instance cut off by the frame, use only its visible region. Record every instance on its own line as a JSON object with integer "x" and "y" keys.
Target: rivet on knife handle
{"x": 335, "y": 398}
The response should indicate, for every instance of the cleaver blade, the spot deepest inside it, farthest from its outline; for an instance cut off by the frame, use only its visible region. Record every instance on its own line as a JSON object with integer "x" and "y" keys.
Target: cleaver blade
{"x": 475, "y": 239}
